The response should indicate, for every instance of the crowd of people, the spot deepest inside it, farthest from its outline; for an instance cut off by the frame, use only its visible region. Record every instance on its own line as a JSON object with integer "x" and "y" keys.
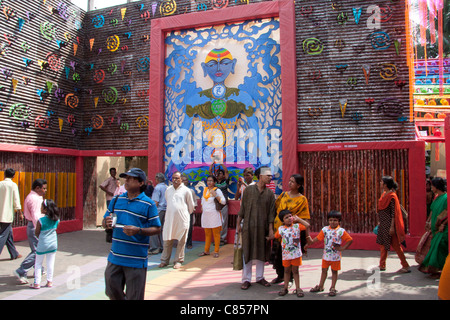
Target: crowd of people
{"x": 143, "y": 219}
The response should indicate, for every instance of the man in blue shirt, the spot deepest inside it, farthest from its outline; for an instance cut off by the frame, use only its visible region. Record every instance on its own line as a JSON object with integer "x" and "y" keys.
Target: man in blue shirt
{"x": 134, "y": 218}
{"x": 156, "y": 242}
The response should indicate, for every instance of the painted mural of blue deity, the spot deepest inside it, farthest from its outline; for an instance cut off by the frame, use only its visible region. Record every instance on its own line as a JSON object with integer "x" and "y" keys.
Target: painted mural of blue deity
{"x": 239, "y": 125}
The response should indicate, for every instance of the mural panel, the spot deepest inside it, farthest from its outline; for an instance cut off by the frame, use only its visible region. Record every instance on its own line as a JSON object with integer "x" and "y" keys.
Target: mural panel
{"x": 223, "y": 99}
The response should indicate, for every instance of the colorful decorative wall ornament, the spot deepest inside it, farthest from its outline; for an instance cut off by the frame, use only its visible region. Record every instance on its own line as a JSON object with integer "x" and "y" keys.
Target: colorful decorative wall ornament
{"x": 48, "y": 30}
{"x": 343, "y": 106}
{"x": 366, "y": 70}
{"x": 19, "y": 111}
{"x": 167, "y": 7}
{"x": 219, "y": 4}
{"x": 380, "y": 40}
{"x": 110, "y": 95}
{"x": 142, "y": 122}
{"x": 98, "y": 21}
{"x": 99, "y": 76}
{"x": 388, "y": 71}
{"x": 9, "y": 12}
{"x": 312, "y": 46}
{"x": 42, "y": 122}
{"x": 356, "y": 14}
{"x": 72, "y": 100}
{"x": 113, "y": 43}
{"x": 143, "y": 64}
{"x": 97, "y": 122}
{"x": 54, "y": 62}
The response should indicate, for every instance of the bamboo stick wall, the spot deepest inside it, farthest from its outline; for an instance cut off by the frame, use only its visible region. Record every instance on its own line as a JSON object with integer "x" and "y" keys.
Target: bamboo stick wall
{"x": 349, "y": 182}
{"x": 59, "y": 171}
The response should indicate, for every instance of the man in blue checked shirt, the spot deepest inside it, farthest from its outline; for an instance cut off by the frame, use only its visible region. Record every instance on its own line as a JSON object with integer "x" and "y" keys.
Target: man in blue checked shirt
{"x": 134, "y": 218}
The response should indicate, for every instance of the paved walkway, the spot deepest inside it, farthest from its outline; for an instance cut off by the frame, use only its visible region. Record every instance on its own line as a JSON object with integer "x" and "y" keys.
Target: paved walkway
{"x": 81, "y": 261}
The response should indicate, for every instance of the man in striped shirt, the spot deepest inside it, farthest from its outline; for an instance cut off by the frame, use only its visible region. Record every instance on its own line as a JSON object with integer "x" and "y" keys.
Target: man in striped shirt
{"x": 134, "y": 218}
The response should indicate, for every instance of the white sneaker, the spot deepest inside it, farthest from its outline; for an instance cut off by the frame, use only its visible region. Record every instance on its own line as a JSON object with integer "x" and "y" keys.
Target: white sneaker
{"x": 22, "y": 279}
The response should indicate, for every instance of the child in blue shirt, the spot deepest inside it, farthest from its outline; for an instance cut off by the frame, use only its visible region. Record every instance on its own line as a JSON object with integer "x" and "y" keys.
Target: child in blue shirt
{"x": 48, "y": 242}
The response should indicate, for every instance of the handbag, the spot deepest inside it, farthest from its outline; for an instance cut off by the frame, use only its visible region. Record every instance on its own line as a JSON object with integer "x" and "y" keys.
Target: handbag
{"x": 238, "y": 260}
{"x": 375, "y": 230}
{"x": 109, "y": 232}
{"x": 423, "y": 247}
{"x": 219, "y": 206}
{"x": 405, "y": 218}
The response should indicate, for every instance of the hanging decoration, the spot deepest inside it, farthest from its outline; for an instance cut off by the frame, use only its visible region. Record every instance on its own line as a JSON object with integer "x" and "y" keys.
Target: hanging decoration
{"x": 14, "y": 85}
{"x": 366, "y": 70}
{"x": 61, "y": 124}
{"x": 343, "y": 106}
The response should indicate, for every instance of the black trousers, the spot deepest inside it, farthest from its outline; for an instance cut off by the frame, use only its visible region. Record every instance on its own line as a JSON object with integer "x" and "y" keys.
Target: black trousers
{"x": 117, "y": 278}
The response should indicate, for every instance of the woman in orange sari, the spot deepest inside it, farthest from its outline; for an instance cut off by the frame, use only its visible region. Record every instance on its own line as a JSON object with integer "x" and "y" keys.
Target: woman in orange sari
{"x": 294, "y": 201}
{"x": 391, "y": 230}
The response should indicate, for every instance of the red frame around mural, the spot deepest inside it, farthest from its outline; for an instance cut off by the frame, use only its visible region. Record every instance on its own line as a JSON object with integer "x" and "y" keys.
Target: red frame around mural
{"x": 285, "y": 11}
{"x": 447, "y": 157}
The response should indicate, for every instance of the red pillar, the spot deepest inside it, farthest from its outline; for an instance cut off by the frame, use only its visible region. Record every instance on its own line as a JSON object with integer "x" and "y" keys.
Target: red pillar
{"x": 447, "y": 151}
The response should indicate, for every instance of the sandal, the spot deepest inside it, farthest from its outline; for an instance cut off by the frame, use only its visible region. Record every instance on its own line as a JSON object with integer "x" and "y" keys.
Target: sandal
{"x": 332, "y": 292}
{"x": 404, "y": 270}
{"x": 264, "y": 282}
{"x": 246, "y": 285}
{"x": 216, "y": 255}
{"x": 316, "y": 289}
{"x": 283, "y": 292}
{"x": 49, "y": 284}
{"x": 300, "y": 293}
{"x": 162, "y": 265}
{"x": 277, "y": 280}
{"x": 204, "y": 254}
{"x": 35, "y": 286}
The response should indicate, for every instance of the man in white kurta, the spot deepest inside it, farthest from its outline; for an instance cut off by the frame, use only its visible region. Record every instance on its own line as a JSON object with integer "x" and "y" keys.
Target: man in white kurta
{"x": 180, "y": 205}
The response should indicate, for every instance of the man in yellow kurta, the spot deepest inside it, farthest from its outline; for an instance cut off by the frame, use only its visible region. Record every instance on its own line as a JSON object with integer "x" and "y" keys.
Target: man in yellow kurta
{"x": 180, "y": 205}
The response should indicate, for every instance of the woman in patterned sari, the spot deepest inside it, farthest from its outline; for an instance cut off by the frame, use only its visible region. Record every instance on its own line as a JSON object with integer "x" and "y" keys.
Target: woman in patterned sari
{"x": 294, "y": 201}
{"x": 437, "y": 222}
{"x": 391, "y": 230}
